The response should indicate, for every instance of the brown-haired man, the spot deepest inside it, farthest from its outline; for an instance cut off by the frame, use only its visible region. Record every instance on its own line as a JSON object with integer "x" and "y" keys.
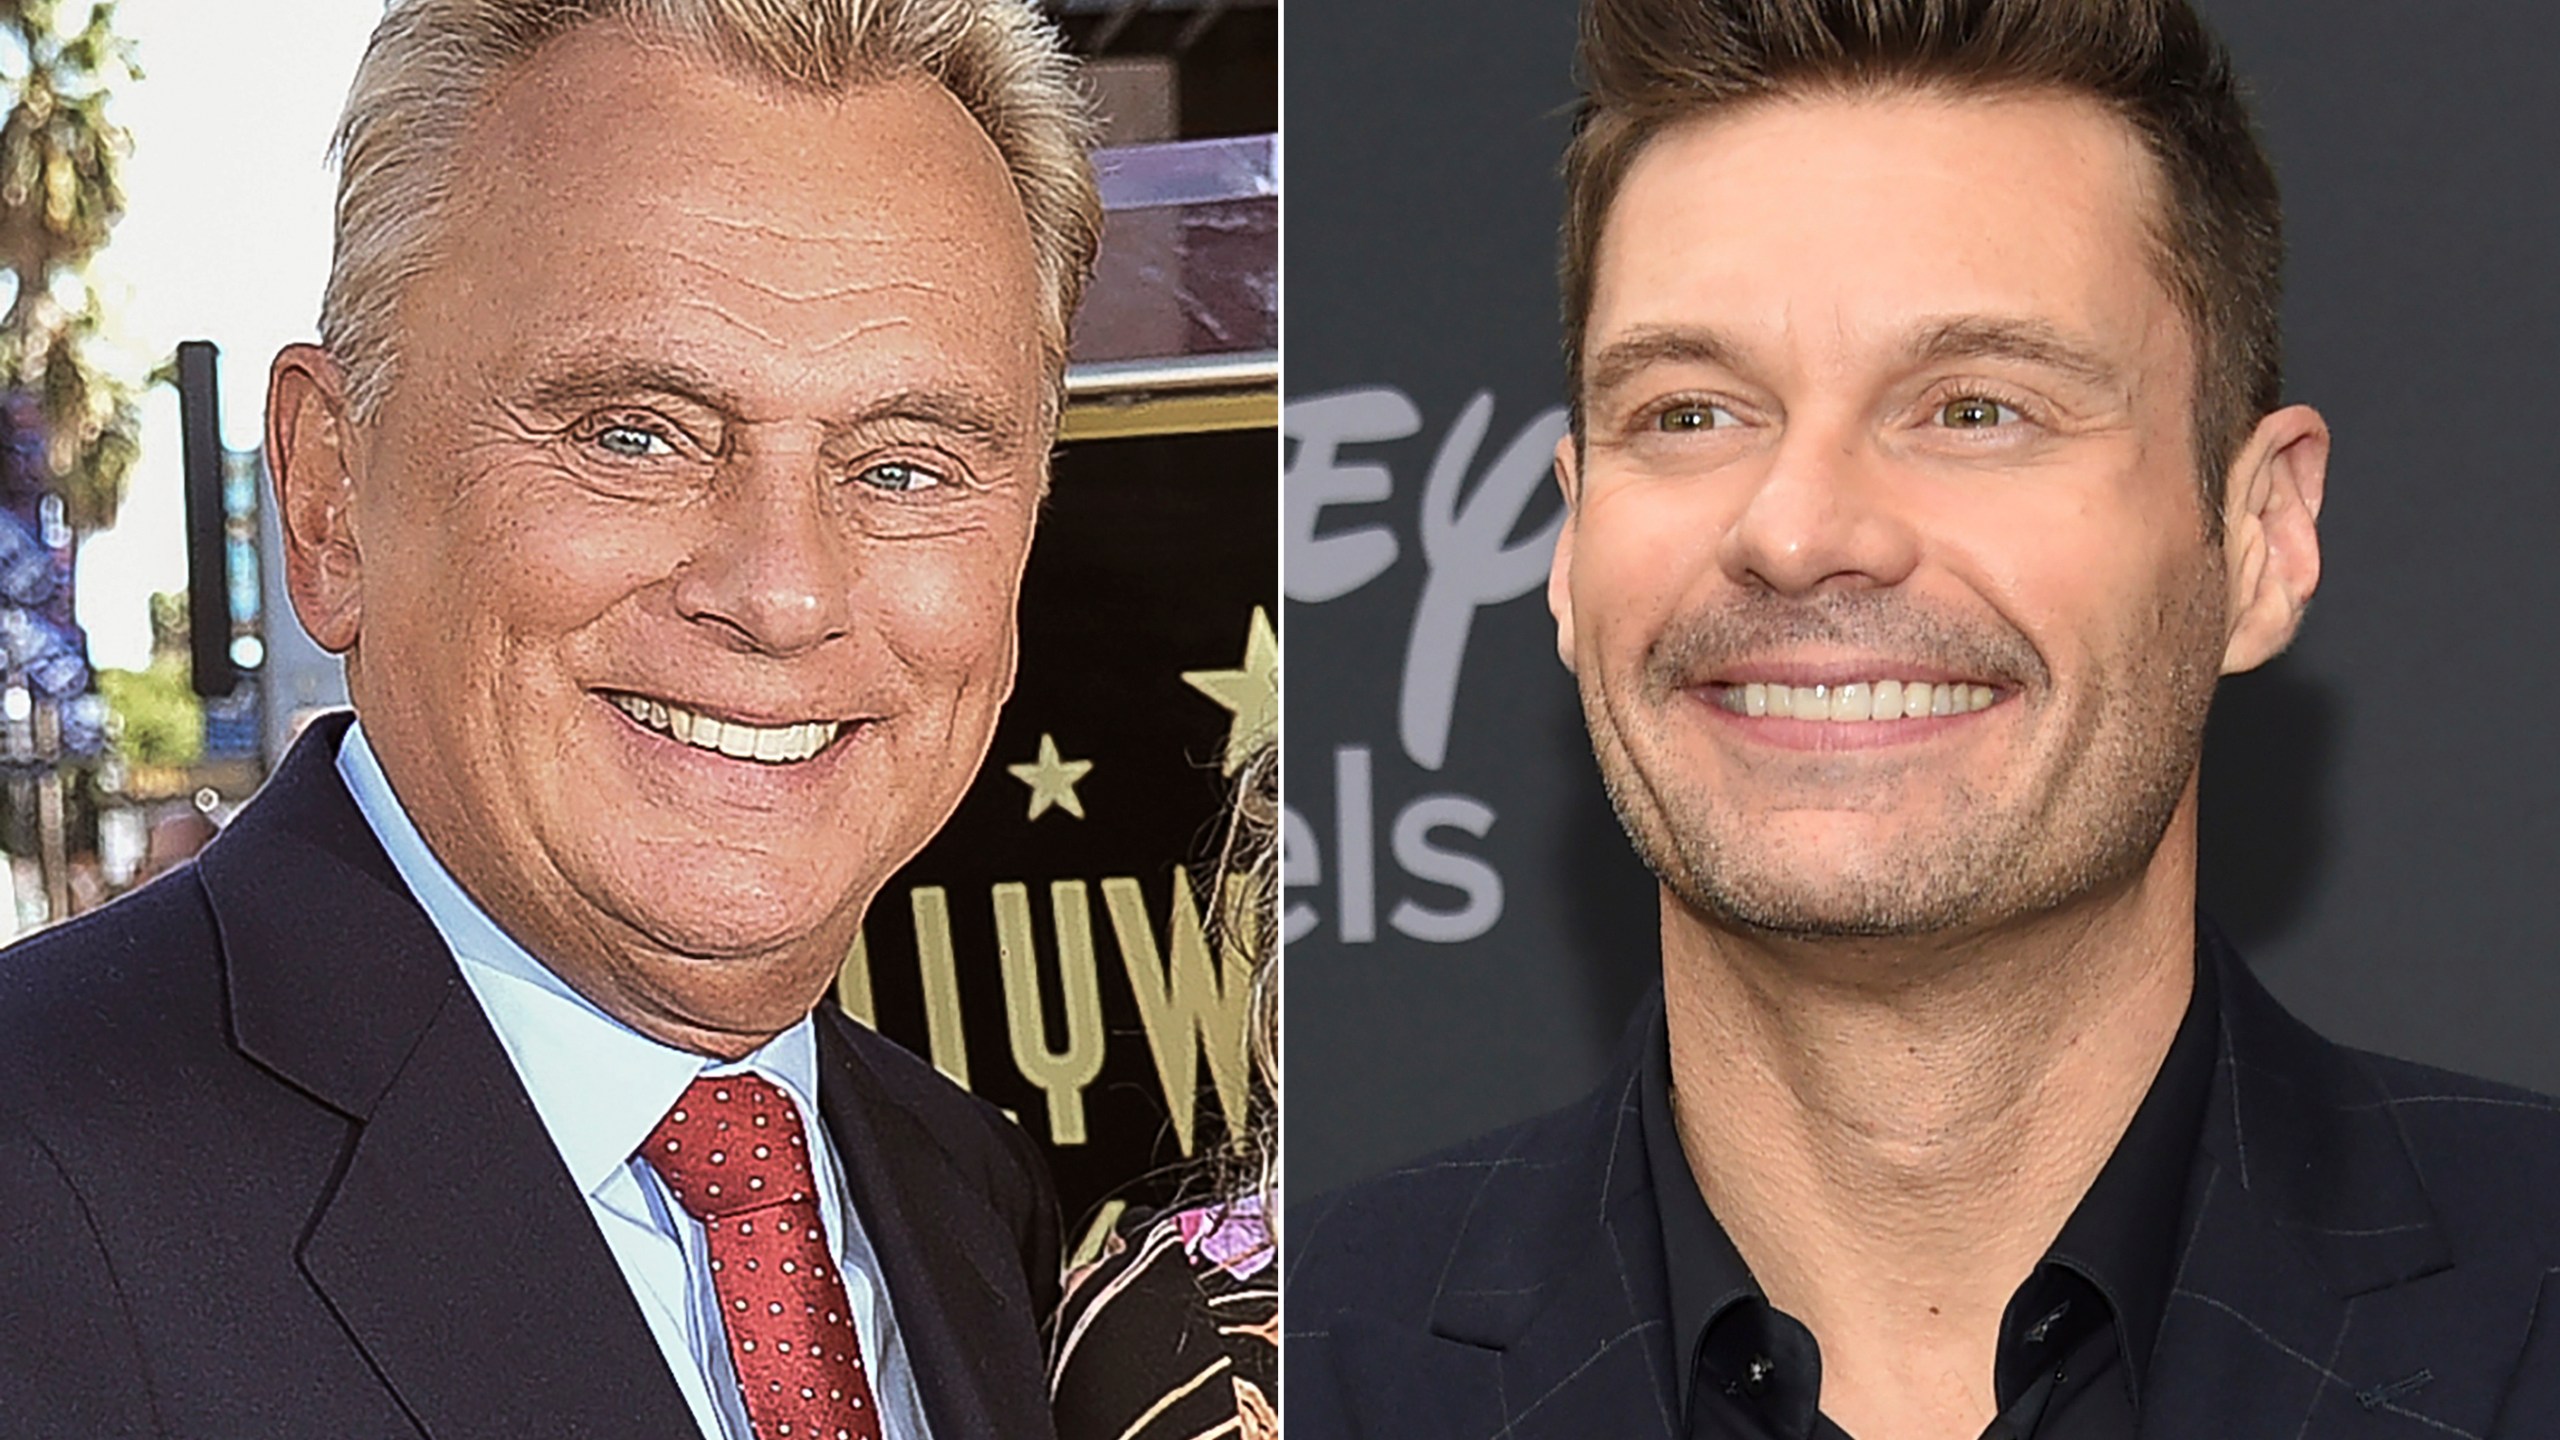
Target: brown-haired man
{"x": 1928, "y": 468}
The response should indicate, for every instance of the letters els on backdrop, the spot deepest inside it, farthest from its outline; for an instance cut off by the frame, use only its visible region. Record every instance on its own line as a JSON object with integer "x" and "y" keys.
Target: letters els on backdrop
{"x": 1468, "y": 513}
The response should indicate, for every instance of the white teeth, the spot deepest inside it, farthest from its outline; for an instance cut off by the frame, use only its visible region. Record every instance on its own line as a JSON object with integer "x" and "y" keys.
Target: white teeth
{"x": 1842, "y": 704}
{"x": 782, "y": 745}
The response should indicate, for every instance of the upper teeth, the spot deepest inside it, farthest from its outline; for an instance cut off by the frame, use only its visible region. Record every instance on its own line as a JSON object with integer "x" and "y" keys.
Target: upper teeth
{"x": 779, "y": 745}
{"x": 1875, "y": 700}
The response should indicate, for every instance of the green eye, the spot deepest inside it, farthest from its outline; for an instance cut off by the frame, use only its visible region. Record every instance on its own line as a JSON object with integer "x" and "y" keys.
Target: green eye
{"x": 1973, "y": 412}
{"x": 1690, "y": 419}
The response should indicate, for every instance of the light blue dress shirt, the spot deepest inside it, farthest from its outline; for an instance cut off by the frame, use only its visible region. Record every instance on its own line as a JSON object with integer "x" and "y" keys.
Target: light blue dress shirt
{"x": 600, "y": 1088}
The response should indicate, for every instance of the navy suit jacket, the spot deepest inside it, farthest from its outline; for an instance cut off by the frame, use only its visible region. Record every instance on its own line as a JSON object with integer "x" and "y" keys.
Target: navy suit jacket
{"x": 2370, "y": 1256}
{"x": 266, "y": 1172}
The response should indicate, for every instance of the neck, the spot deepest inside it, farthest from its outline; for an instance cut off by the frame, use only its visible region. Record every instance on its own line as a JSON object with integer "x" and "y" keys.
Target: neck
{"x": 1893, "y": 1131}
{"x": 723, "y": 1006}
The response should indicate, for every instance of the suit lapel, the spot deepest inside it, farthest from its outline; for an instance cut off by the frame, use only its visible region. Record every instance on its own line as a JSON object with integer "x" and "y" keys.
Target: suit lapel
{"x": 1386, "y": 1380}
{"x": 452, "y": 1245}
{"x": 2315, "y": 1297}
{"x": 1561, "y": 1284}
{"x": 461, "y": 1258}
{"x": 1595, "y": 1361}
{"x": 952, "y": 1267}
{"x": 2535, "y": 1395}
{"x": 2310, "y": 1296}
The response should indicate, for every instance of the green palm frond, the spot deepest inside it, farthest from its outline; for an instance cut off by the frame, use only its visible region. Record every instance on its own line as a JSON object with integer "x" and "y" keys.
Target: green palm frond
{"x": 61, "y": 193}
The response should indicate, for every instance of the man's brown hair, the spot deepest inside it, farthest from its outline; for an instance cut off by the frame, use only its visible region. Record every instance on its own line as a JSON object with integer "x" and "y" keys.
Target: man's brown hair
{"x": 1648, "y": 65}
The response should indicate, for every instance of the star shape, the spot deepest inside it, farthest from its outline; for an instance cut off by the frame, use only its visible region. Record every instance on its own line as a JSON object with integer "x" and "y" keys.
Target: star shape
{"x": 1251, "y": 691}
{"x": 1052, "y": 780}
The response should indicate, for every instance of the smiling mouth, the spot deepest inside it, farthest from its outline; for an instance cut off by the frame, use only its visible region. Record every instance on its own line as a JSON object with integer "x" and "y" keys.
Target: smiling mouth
{"x": 1866, "y": 700}
{"x": 765, "y": 744}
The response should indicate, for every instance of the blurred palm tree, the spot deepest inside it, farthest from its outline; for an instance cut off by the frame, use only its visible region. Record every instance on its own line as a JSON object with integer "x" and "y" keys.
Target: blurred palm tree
{"x": 60, "y": 195}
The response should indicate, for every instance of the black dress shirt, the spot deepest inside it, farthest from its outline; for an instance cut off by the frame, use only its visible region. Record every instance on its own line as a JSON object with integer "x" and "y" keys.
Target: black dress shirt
{"x": 2075, "y": 1340}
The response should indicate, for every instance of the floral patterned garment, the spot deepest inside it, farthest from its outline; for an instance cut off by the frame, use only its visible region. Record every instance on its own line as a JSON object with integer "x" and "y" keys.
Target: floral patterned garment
{"x": 1174, "y": 1335}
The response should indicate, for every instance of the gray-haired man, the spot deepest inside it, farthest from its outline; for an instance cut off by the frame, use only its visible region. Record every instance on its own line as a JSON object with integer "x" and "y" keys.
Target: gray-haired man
{"x": 666, "y": 474}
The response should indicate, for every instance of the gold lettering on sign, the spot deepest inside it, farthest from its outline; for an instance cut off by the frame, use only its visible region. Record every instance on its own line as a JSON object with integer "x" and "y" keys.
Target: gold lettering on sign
{"x": 1187, "y": 1006}
{"x": 853, "y": 983}
{"x": 943, "y": 1033}
{"x": 1188, "y": 1003}
{"x": 1061, "y": 1073}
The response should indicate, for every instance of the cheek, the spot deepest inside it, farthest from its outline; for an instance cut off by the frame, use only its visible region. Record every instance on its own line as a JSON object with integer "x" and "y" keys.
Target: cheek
{"x": 1641, "y": 554}
{"x": 495, "y": 539}
{"x": 549, "y": 574}
{"x": 948, "y": 606}
{"x": 2087, "y": 577}
{"x": 571, "y": 558}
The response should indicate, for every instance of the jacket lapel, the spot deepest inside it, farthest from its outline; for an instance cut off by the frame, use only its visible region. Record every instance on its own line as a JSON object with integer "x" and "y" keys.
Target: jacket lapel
{"x": 2316, "y": 1294}
{"x": 2311, "y": 1296}
{"x": 955, "y": 1271}
{"x": 452, "y": 1245}
{"x": 1556, "y": 1290}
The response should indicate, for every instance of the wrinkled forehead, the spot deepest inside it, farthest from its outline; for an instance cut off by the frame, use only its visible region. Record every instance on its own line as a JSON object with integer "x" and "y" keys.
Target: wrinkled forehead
{"x": 782, "y": 240}
{"x": 631, "y": 114}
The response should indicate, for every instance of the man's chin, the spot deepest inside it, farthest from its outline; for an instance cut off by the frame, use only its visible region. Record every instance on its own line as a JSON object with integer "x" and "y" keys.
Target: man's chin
{"x": 1812, "y": 895}
{"x": 717, "y": 915}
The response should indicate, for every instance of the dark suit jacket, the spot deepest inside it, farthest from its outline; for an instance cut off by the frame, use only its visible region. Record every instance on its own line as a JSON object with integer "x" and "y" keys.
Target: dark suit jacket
{"x": 2370, "y": 1253}
{"x": 265, "y": 1172}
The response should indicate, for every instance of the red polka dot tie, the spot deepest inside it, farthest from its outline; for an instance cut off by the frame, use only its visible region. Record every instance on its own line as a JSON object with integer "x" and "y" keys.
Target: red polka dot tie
{"x": 733, "y": 1152}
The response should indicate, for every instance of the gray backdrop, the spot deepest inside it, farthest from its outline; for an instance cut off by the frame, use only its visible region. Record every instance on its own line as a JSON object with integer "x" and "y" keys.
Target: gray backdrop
{"x": 2382, "y": 823}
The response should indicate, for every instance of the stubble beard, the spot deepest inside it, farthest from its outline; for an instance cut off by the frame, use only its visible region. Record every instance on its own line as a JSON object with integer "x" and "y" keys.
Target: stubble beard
{"x": 2108, "y": 784}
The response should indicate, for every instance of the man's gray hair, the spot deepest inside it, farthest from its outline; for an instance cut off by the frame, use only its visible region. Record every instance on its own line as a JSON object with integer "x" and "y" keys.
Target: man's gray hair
{"x": 432, "y": 63}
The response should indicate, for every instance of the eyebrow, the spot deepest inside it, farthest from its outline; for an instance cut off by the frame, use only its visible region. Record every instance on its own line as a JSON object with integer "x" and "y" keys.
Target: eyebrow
{"x": 1631, "y": 354}
{"x": 587, "y": 382}
{"x": 961, "y": 411}
{"x": 1969, "y": 337}
{"x": 2026, "y": 342}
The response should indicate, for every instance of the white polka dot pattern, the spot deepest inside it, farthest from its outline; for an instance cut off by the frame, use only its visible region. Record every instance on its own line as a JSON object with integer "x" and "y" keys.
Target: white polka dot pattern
{"x": 731, "y": 1151}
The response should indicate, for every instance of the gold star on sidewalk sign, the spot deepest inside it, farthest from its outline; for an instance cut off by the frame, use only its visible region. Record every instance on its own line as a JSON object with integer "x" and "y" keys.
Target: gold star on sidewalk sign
{"x": 1252, "y": 692}
{"x": 1052, "y": 780}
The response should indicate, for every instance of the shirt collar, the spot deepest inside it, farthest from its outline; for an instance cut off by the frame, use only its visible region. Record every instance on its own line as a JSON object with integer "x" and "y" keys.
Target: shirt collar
{"x": 2122, "y": 1238}
{"x": 598, "y": 1085}
{"x": 1708, "y": 1276}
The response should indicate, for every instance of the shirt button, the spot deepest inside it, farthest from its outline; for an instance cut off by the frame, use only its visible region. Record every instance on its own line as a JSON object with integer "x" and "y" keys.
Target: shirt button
{"x": 1755, "y": 1376}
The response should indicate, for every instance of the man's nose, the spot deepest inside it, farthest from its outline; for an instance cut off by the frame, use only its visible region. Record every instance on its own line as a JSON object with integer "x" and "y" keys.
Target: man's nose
{"x": 1825, "y": 514}
{"x": 774, "y": 567}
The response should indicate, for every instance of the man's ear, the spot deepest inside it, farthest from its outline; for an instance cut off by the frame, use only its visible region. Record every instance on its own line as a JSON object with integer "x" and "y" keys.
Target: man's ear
{"x": 1560, "y": 570}
{"x": 2271, "y": 534}
{"x": 312, "y": 459}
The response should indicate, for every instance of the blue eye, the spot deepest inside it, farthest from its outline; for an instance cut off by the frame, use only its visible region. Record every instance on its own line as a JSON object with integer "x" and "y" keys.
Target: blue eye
{"x": 898, "y": 477}
{"x": 633, "y": 443}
